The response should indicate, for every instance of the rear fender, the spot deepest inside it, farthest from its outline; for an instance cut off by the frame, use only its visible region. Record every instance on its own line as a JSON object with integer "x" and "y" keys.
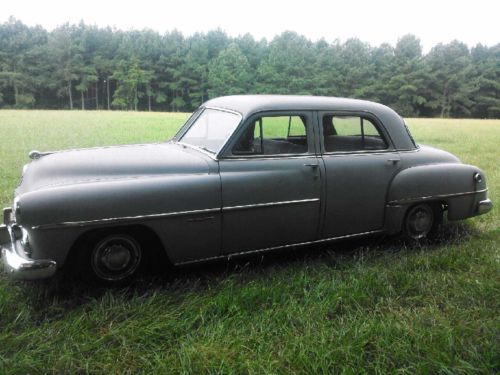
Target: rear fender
{"x": 458, "y": 187}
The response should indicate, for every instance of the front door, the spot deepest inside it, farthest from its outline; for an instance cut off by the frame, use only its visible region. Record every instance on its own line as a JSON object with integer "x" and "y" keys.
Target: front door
{"x": 359, "y": 163}
{"x": 271, "y": 183}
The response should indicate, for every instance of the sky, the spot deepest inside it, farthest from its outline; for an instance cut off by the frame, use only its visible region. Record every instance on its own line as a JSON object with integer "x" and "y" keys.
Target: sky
{"x": 375, "y": 22}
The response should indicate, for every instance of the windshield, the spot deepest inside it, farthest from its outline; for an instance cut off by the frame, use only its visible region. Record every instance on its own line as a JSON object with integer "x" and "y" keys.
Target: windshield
{"x": 211, "y": 129}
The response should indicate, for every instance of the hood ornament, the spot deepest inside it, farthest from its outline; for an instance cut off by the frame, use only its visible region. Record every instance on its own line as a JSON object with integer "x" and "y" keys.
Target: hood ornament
{"x": 33, "y": 155}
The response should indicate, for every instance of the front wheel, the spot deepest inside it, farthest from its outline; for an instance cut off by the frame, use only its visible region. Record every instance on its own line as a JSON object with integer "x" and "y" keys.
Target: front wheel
{"x": 116, "y": 257}
{"x": 422, "y": 221}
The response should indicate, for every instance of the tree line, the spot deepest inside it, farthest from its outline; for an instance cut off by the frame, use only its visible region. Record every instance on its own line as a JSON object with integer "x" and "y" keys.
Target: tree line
{"x": 89, "y": 67}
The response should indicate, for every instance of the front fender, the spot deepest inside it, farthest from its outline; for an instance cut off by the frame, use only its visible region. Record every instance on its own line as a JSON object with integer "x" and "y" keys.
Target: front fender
{"x": 55, "y": 217}
{"x": 119, "y": 198}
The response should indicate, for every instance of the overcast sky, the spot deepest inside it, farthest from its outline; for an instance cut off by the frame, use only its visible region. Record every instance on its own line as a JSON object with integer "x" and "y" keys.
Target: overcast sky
{"x": 376, "y": 21}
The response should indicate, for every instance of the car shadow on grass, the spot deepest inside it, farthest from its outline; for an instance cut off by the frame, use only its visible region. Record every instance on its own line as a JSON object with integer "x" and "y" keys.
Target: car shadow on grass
{"x": 52, "y": 298}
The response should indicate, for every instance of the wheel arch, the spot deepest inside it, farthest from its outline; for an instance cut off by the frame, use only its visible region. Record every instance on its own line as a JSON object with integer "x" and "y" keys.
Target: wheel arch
{"x": 145, "y": 235}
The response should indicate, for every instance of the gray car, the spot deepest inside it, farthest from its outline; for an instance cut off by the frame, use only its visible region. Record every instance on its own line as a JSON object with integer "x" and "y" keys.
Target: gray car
{"x": 245, "y": 174}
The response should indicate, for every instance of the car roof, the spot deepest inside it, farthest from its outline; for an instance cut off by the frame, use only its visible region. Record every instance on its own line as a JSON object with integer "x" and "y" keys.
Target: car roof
{"x": 250, "y": 104}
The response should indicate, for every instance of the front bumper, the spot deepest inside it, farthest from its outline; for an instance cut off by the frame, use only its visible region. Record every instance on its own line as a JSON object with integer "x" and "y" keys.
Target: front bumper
{"x": 17, "y": 263}
{"x": 19, "y": 267}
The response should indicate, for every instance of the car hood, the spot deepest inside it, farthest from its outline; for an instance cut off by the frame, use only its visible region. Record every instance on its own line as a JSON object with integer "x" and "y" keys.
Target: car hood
{"x": 107, "y": 163}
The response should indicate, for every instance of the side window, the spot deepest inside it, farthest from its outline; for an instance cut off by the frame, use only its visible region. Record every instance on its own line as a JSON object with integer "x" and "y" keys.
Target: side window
{"x": 296, "y": 127}
{"x": 351, "y": 133}
{"x": 273, "y": 135}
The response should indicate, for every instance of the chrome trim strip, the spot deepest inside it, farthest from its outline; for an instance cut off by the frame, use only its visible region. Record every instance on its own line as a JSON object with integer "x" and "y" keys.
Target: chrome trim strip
{"x": 124, "y": 218}
{"x": 271, "y": 157}
{"x": 224, "y": 110}
{"x": 249, "y": 252}
{"x": 361, "y": 152}
{"x": 211, "y": 155}
{"x": 269, "y": 204}
{"x": 407, "y": 151}
{"x": 412, "y": 200}
{"x": 168, "y": 214}
{"x": 217, "y": 257}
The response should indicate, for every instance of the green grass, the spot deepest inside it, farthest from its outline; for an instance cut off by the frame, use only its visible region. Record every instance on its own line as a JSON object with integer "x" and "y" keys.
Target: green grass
{"x": 370, "y": 306}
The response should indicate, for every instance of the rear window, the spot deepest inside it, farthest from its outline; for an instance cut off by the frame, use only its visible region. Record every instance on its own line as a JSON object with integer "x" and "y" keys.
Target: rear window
{"x": 409, "y": 133}
{"x": 351, "y": 133}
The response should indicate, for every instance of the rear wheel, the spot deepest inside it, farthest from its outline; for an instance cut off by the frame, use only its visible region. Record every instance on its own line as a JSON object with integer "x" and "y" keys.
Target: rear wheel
{"x": 422, "y": 221}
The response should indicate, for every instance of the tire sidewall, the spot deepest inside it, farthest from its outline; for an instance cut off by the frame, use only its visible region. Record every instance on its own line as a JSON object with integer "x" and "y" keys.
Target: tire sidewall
{"x": 435, "y": 210}
{"x": 99, "y": 245}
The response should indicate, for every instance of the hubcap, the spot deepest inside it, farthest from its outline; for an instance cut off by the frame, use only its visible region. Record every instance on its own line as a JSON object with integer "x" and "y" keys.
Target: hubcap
{"x": 116, "y": 257}
{"x": 419, "y": 221}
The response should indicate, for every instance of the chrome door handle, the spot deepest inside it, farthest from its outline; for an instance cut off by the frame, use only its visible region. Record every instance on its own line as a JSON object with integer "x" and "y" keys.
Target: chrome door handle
{"x": 311, "y": 165}
{"x": 393, "y": 161}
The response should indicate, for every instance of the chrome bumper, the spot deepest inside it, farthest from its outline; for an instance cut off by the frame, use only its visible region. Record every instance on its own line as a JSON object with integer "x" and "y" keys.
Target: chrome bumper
{"x": 484, "y": 206}
{"x": 17, "y": 263}
{"x": 20, "y": 267}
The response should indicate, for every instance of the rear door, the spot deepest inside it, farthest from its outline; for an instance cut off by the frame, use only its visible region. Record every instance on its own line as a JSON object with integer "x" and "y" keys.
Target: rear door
{"x": 359, "y": 165}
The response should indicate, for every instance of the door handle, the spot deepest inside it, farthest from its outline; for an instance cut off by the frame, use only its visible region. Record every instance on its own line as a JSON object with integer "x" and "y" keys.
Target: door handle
{"x": 393, "y": 161}
{"x": 311, "y": 165}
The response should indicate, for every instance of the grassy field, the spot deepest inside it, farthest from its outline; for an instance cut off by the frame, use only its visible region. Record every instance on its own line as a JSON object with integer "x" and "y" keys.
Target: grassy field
{"x": 372, "y": 306}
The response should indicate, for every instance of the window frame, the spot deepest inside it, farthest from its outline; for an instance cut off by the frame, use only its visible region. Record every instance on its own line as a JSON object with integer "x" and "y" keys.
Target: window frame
{"x": 227, "y": 153}
{"x": 367, "y": 115}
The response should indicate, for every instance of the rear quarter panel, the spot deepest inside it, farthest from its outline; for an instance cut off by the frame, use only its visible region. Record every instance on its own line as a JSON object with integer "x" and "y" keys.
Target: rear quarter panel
{"x": 430, "y": 174}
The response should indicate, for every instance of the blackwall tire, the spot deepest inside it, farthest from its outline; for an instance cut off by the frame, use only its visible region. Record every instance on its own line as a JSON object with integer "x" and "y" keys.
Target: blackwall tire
{"x": 422, "y": 221}
{"x": 115, "y": 258}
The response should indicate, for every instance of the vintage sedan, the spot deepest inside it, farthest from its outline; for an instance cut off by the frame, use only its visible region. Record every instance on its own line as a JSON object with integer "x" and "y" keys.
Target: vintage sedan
{"x": 245, "y": 174}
